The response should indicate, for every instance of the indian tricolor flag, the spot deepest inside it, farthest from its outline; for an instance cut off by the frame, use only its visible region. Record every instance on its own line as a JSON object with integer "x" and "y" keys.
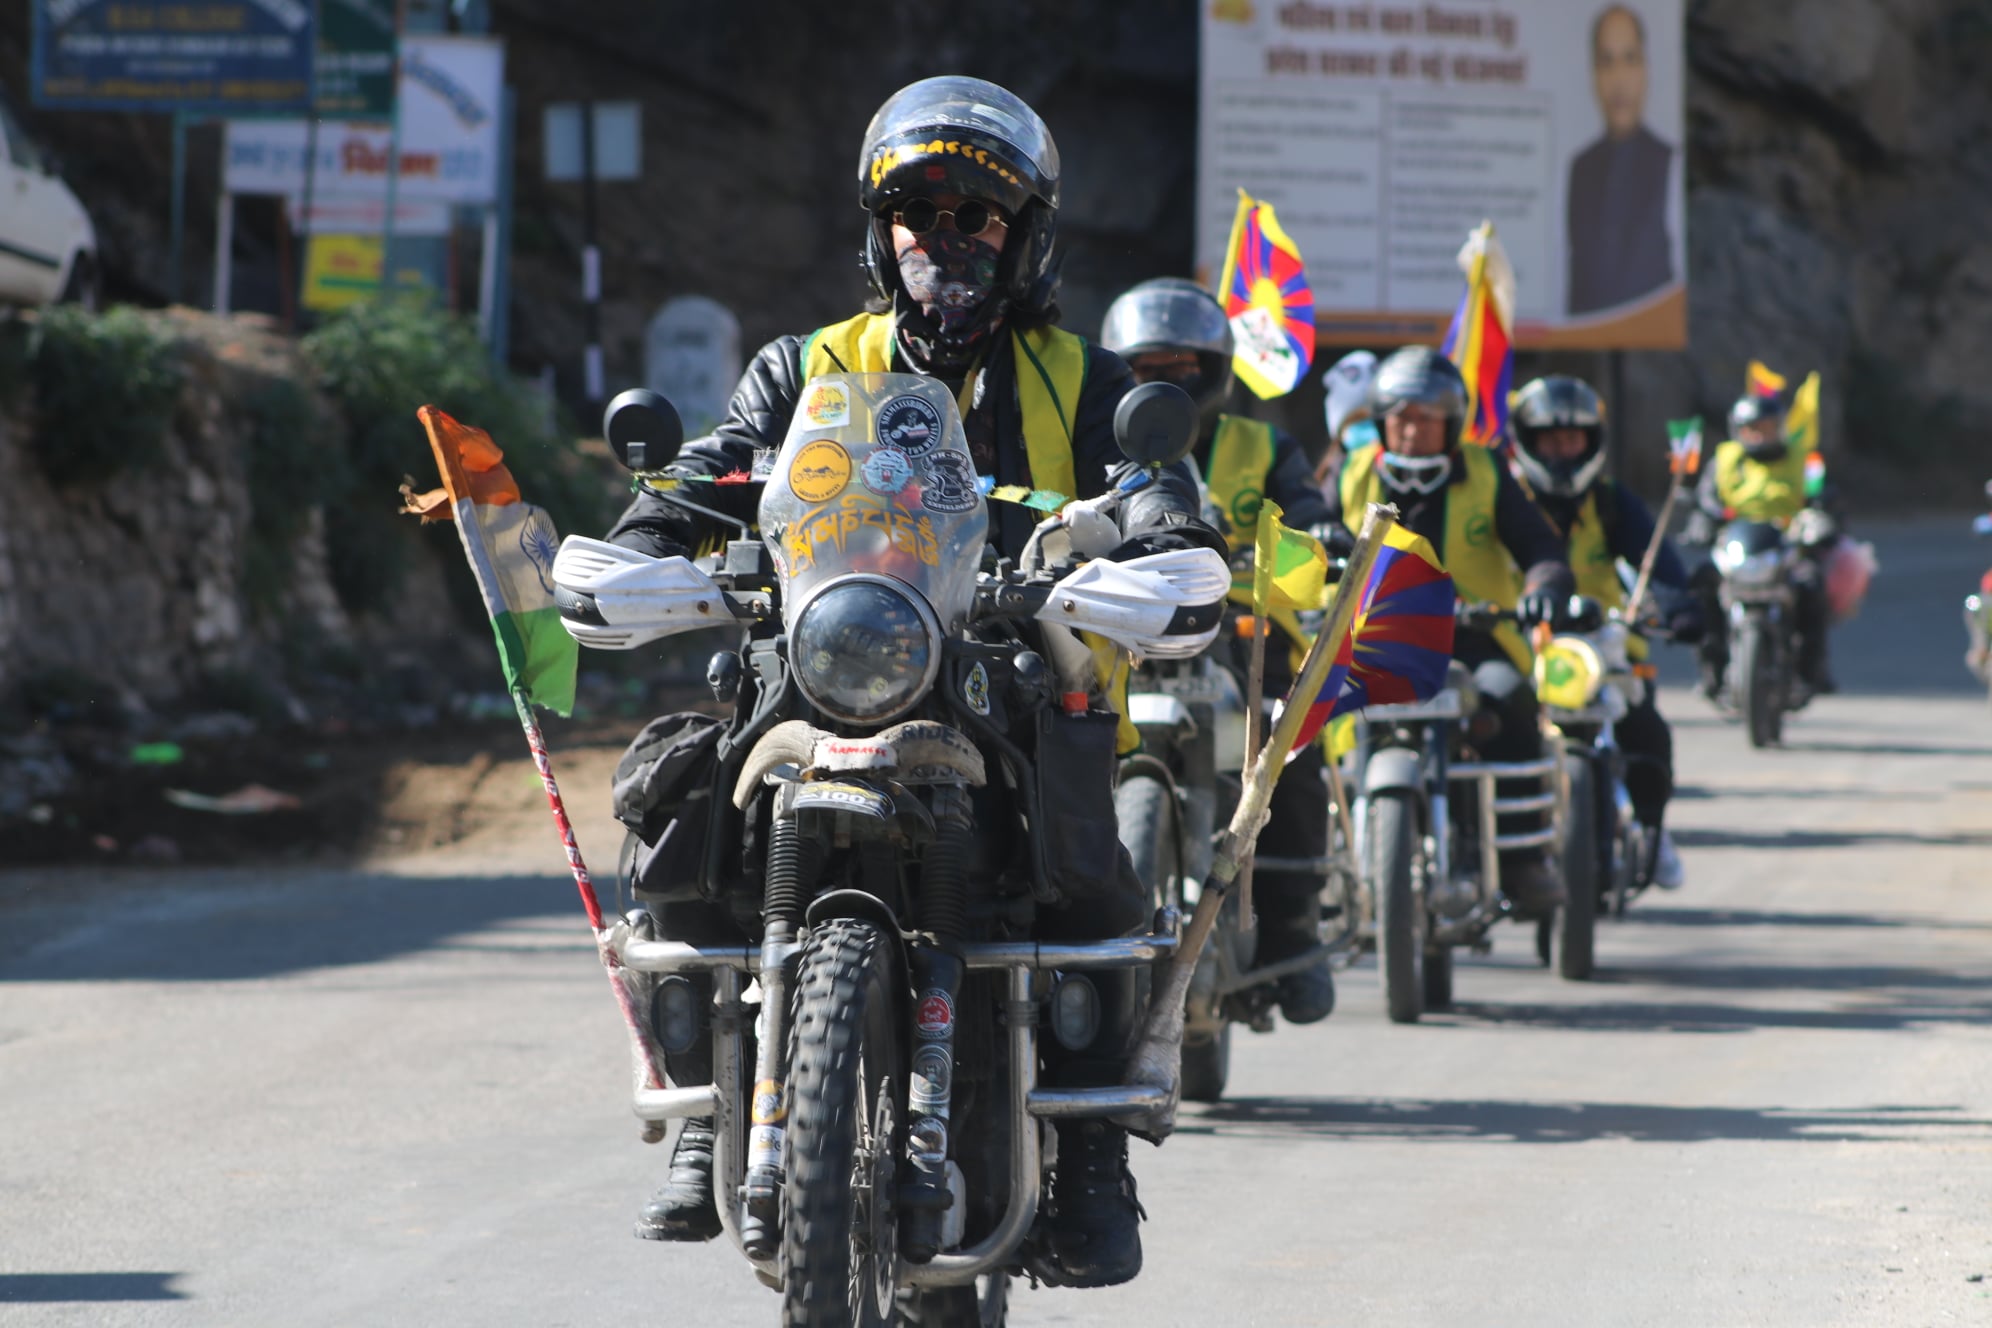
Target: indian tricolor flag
{"x": 510, "y": 545}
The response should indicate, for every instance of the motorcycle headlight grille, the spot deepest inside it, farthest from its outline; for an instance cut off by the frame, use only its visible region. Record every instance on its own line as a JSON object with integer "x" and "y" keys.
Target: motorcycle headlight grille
{"x": 865, "y": 650}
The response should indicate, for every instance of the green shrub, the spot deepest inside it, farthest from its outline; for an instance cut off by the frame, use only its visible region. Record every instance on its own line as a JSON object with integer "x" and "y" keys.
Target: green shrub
{"x": 379, "y": 362}
{"x": 105, "y": 389}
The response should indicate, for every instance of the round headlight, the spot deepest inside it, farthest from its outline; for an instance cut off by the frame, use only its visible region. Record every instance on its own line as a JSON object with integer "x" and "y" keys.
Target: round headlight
{"x": 864, "y": 651}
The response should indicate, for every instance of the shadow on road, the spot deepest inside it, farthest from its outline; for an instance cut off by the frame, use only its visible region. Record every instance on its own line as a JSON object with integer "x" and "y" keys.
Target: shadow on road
{"x": 1805, "y": 977}
{"x": 1398, "y": 1119}
{"x": 50, "y": 1288}
{"x": 256, "y": 927}
{"x": 1658, "y": 915}
{"x": 1881, "y": 1015}
{"x": 1801, "y": 745}
{"x": 1689, "y": 837}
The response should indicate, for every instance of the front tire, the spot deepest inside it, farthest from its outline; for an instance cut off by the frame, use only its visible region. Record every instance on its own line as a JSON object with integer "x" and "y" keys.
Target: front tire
{"x": 1577, "y": 920}
{"x": 1761, "y": 700}
{"x": 1400, "y": 941}
{"x": 840, "y": 1249}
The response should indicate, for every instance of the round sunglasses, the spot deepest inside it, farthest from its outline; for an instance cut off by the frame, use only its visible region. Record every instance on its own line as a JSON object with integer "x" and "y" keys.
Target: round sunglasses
{"x": 921, "y": 215}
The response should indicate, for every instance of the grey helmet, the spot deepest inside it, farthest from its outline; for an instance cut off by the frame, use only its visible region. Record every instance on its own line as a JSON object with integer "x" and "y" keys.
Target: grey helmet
{"x": 1419, "y": 375}
{"x": 1751, "y": 408}
{"x": 967, "y": 136}
{"x": 1558, "y": 402}
{"x": 1171, "y": 314}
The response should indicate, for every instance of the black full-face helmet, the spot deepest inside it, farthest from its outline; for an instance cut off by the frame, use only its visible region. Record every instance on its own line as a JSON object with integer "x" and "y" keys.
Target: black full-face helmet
{"x": 964, "y": 136}
{"x": 1558, "y": 402}
{"x": 1419, "y": 375}
{"x": 1768, "y": 411}
{"x": 1171, "y": 314}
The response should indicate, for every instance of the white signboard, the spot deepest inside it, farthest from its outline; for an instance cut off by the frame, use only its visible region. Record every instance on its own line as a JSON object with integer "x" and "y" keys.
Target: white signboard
{"x": 451, "y": 89}
{"x": 691, "y": 353}
{"x": 1384, "y": 132}
{"x": 367, "y": 216}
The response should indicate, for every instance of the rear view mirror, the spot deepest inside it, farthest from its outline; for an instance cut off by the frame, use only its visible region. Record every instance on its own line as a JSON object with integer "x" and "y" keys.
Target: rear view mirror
{"x": 643, "y": 429}
{"x": 1156, "y": 424}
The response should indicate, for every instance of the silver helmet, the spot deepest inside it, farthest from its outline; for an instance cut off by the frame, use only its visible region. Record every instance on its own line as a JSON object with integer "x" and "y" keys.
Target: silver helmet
{"x": 1419, "y": 375}
{"x": 1171, "y": 314}
{"x": 1558, "y": 402}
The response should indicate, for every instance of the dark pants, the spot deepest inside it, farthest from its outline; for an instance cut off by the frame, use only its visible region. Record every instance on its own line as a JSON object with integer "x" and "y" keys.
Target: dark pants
{"x": 1289, "y": 903}
{"x": 1648, "y": 745}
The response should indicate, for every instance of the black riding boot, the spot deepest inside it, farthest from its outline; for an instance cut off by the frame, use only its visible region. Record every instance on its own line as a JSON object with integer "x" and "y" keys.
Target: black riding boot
{"x": 1092, "y": 1231}
{"x": 1289, "y": 903}
{"x": 684, "y": 1209}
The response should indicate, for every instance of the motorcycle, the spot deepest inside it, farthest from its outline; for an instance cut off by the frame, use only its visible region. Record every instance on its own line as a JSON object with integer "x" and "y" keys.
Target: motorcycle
{"x": 1585, "y": 683}
{"x": 875, "y": 810}
{"x": 1172, "y": 798}
{"x": 1430, "y": 861}
{"x": 1758, "y": 682}
{"x": 1978, "y": 612}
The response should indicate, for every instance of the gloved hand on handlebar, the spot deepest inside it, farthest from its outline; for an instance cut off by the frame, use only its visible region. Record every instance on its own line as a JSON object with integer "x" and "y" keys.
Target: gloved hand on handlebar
{"x": 1538, "y": 606}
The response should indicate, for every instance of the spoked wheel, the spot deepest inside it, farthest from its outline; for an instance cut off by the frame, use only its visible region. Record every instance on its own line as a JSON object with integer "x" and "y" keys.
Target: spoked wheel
{"x": 840, "y": 1250}
{"x": 1400, "y": 939}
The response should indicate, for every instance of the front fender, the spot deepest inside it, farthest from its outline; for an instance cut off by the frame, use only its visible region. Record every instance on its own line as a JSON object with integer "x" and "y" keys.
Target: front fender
{"x": 1394, "y": 768}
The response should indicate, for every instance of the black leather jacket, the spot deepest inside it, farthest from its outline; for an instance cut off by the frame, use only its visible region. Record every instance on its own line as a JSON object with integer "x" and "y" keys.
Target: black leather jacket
{"x": 1162, "y": 516}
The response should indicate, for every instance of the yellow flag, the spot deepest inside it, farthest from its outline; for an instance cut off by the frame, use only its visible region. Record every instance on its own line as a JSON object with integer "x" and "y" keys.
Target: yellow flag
{"x": 1289, "y": 567}
{"x": 1760, "y": 381}
{"x": 1802, "y": 420}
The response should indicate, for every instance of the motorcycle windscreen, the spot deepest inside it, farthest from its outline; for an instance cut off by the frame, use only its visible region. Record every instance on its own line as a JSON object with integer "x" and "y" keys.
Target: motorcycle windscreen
{"x": 875, "y": 477}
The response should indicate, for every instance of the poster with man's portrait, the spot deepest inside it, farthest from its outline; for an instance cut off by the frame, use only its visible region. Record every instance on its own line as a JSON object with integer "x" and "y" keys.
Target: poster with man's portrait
{"x": 1385, "y": 131}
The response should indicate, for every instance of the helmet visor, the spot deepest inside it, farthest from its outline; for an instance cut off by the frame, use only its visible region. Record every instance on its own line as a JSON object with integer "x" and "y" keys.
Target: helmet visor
{"x": 1174, "y": 315}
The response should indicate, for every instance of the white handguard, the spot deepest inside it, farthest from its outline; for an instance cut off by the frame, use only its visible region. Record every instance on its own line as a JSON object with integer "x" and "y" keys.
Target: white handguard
{"x": 1161, "y": 606}
{"x": 637, "y": 597}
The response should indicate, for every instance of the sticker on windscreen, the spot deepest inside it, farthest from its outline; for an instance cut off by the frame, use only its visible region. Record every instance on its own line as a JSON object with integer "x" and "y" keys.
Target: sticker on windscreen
{"x": 909, "y": 423}
{"x": 950, "y": 485}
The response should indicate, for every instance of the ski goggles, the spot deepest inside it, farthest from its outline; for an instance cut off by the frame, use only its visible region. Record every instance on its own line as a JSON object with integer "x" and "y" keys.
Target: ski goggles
{"x": 972, "y": 217}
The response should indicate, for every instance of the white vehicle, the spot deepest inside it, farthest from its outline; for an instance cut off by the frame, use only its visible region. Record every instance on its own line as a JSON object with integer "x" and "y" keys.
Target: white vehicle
{"x": 48, "y": 248}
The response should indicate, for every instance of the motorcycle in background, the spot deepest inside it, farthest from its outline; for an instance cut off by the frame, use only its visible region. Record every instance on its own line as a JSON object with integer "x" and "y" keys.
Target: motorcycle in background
{"x": 1173, "y": 796}
{"x": 1585, "y": 683}
{"x": 1430, "y": 859}
{"x": 875, "y": 804}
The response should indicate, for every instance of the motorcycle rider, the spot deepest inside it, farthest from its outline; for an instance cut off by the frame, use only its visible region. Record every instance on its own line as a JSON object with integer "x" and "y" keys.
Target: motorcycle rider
{"x": 959, "y": 180}
{"x": 1756, "y": 475}
{"x": 1558, "y": 424}
{"x": 1345, "y": 402}
{"x": 1492, "y": 540}
{"x": 1172, "y": 330}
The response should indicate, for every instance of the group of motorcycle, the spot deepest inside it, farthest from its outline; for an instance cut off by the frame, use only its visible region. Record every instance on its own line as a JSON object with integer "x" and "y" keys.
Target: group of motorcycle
{"x": 880, "y": 1136}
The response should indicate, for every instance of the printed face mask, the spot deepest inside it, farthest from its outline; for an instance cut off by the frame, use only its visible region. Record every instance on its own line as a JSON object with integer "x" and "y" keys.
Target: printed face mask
{"x": 948, "y": 276}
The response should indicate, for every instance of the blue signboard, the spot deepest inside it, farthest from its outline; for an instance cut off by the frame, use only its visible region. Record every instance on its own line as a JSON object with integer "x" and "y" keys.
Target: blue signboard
{"x": 208, "y": 56}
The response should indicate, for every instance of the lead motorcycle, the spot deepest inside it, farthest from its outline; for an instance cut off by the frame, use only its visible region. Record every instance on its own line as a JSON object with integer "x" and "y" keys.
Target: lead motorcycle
{"x": 874, "y": 811}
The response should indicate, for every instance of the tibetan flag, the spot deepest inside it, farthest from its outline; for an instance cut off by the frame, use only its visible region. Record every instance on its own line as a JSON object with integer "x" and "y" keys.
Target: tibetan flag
{"x": 1802, "y": 420}
{"x": 1684, "y": 445}
{"x": 510, "y": 545}
{"x": 1401, "y": 640}
{"x": 1289, "y": 567}
{"x": 1760, "y": 381}
{"x": 1481, "y": 339}
{"x": 1265, "y": 295}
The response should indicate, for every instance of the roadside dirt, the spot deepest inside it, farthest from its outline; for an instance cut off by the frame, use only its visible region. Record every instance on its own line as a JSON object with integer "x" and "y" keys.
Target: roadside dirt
{"x": 331, "y": 799}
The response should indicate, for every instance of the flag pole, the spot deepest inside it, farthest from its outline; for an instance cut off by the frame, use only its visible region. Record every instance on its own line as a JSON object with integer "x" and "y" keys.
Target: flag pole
{"x": 643, "y": 1047}
{"x": 1158, "y": 1057}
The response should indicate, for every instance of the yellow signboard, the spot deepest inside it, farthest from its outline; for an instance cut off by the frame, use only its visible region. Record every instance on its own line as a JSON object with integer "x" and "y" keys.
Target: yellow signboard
{"x": 342, "y": 270}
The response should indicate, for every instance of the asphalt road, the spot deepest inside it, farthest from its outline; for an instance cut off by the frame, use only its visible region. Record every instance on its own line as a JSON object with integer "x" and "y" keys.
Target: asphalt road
{"x": 399, "y": 1097}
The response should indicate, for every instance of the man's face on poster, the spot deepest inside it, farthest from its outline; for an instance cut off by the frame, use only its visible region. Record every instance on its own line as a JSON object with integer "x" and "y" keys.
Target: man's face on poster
{"x": 1618, "y": 71}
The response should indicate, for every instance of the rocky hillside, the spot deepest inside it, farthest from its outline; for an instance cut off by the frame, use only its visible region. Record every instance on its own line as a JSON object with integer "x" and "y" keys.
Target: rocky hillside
{"x": 1837, "y": 166}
